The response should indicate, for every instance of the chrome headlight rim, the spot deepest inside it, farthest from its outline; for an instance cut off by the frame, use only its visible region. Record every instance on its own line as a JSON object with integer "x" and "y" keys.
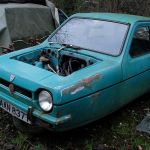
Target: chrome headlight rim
{"x": 45, "y": 100}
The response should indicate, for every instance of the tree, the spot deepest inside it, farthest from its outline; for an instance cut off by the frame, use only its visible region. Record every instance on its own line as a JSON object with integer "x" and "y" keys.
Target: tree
{"x": 138, "y": 7}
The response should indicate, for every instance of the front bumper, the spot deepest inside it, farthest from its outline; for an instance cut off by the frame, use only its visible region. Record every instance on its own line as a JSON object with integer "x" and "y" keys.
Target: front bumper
{"x": 49, "y": 121}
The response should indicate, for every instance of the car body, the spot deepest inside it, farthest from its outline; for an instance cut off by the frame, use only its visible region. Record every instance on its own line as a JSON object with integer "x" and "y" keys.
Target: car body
{"x": 91, "y": 66}
{"x": 34, "y": 21}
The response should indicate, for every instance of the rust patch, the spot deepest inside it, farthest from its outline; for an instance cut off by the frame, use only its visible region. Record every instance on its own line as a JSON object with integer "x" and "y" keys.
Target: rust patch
{"x": 41, "y": 113}
{"x": 88, "y": 81}
{"x": 62, "y": 120}
{"x": 58, "y": 122}
{"x": 91, "y": 79}
{"x": 94, "y": 97}
{"x": 45, "y": 125}
{"x": 58, "y": 114}
{"x": 85, "y": 83}
{"x": 71, "y": 89}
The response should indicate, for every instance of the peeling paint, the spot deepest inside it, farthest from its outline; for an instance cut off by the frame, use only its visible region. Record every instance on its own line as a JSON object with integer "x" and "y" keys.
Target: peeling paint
{"x": 91, "y": 79}
{"x": 63, "y": 119}
{"x": 77, "y": 90}
{"x": 85, "y": 83}
{"x": 70, "y": 89}
{"x": 88, "y": 81}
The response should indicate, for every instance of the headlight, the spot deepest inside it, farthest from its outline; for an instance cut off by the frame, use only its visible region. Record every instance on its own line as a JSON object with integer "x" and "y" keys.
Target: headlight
{"x": 45, "y": 101}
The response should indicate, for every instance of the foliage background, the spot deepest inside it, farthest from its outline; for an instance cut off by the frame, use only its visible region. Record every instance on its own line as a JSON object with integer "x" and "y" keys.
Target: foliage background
{"x": 137, "y": 7}
{"x": 114, "y": 132}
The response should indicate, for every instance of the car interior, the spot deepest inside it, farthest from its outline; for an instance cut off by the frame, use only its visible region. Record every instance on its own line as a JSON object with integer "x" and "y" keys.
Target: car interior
{"x": 140, "y": 43}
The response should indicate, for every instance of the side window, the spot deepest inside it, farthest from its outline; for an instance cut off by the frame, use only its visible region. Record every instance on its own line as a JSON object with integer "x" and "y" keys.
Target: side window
{"x": 141, "y": 42}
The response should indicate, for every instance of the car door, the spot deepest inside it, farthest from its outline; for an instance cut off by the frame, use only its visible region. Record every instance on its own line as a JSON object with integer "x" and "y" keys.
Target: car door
{"x": 136, "y": 64}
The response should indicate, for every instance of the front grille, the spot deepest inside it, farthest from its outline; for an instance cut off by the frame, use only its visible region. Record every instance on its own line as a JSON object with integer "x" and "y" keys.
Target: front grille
{"x": 17, "y": 88}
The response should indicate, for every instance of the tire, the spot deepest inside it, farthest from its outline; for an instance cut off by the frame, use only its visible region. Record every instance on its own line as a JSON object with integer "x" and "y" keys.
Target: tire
{"x": 26, "y": 128}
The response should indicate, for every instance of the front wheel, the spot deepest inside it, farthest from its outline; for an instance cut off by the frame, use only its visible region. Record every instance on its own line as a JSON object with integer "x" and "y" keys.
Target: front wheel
{"x": 26, "y": 128}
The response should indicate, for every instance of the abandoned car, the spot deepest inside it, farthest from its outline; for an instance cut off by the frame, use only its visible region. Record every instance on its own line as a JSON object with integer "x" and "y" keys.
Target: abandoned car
{"x": 27, "y": 22}
{"x": 89, "y": 67}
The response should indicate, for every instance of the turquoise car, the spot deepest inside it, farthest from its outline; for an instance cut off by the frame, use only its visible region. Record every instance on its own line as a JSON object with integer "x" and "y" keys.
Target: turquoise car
{"x": 92, "y": 65}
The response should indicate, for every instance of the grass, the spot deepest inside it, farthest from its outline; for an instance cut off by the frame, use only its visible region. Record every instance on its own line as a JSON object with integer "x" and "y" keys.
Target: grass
{"x": 21, "y": 141}
{"x": 88, "y": 145}
{"x": 39, "y": 147}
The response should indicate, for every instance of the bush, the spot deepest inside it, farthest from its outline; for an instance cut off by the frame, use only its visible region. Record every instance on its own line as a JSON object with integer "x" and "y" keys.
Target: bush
{"x": 137, "y": 7}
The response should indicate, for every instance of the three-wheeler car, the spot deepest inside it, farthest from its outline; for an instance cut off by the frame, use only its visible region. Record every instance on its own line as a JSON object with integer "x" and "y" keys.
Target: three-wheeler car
{"x": 92, "y": 65}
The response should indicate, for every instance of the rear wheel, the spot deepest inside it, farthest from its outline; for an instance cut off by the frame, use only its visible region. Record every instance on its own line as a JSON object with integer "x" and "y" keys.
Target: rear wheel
{"x": 26, "y": 128}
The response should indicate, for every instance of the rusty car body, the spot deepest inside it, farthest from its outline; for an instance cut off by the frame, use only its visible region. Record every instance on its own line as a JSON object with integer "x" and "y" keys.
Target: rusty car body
{"x": 92, "y": 65}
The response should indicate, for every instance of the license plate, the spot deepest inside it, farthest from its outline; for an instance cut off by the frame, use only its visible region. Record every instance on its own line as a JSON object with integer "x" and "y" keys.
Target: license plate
{"x": 14, "y": 111}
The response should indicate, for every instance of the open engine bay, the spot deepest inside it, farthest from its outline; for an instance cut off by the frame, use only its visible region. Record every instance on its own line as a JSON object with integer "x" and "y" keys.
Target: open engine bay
{"x": 61, "y": 61}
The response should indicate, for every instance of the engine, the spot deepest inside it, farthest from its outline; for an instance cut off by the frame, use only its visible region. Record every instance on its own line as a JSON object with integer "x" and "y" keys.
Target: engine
{"x": 62, "y": 63}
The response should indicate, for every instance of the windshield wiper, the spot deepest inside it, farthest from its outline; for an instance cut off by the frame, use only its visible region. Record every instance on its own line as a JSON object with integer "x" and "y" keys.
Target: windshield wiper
{"x": 54, "y": 43}
{"x": 72, "y": 46}
{"x": 67, "y": 45}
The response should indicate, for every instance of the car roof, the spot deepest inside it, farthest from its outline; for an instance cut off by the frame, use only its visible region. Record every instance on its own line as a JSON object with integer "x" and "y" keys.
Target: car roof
{"x": 116, "y": 17}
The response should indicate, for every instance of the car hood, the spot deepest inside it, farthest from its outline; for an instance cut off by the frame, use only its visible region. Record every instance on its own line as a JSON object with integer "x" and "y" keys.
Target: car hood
{"x": 24, "y": 70}
{"x": 64, "y": 89}
{"x": 26, "y": 76}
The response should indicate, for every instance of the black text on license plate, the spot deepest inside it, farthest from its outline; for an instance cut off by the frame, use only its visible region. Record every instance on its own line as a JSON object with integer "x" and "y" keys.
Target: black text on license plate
{"x": 14, "y": 111}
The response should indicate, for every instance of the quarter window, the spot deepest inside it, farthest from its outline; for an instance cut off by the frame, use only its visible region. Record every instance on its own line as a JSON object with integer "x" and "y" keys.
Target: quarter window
{"x": 141, "y": 42}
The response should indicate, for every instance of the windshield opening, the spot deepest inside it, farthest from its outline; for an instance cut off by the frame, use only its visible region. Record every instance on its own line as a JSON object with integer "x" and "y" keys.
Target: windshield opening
{"x": 96, "y": 35}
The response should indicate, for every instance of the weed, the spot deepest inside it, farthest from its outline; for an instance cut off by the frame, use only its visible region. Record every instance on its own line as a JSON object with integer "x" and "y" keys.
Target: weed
{"x": 39, "y": 147}
{"x": 21, "y": 141}
{"x": 88, "y": 145}
{"x": 142, "y": 142}
{"x": 122, "y": 129}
